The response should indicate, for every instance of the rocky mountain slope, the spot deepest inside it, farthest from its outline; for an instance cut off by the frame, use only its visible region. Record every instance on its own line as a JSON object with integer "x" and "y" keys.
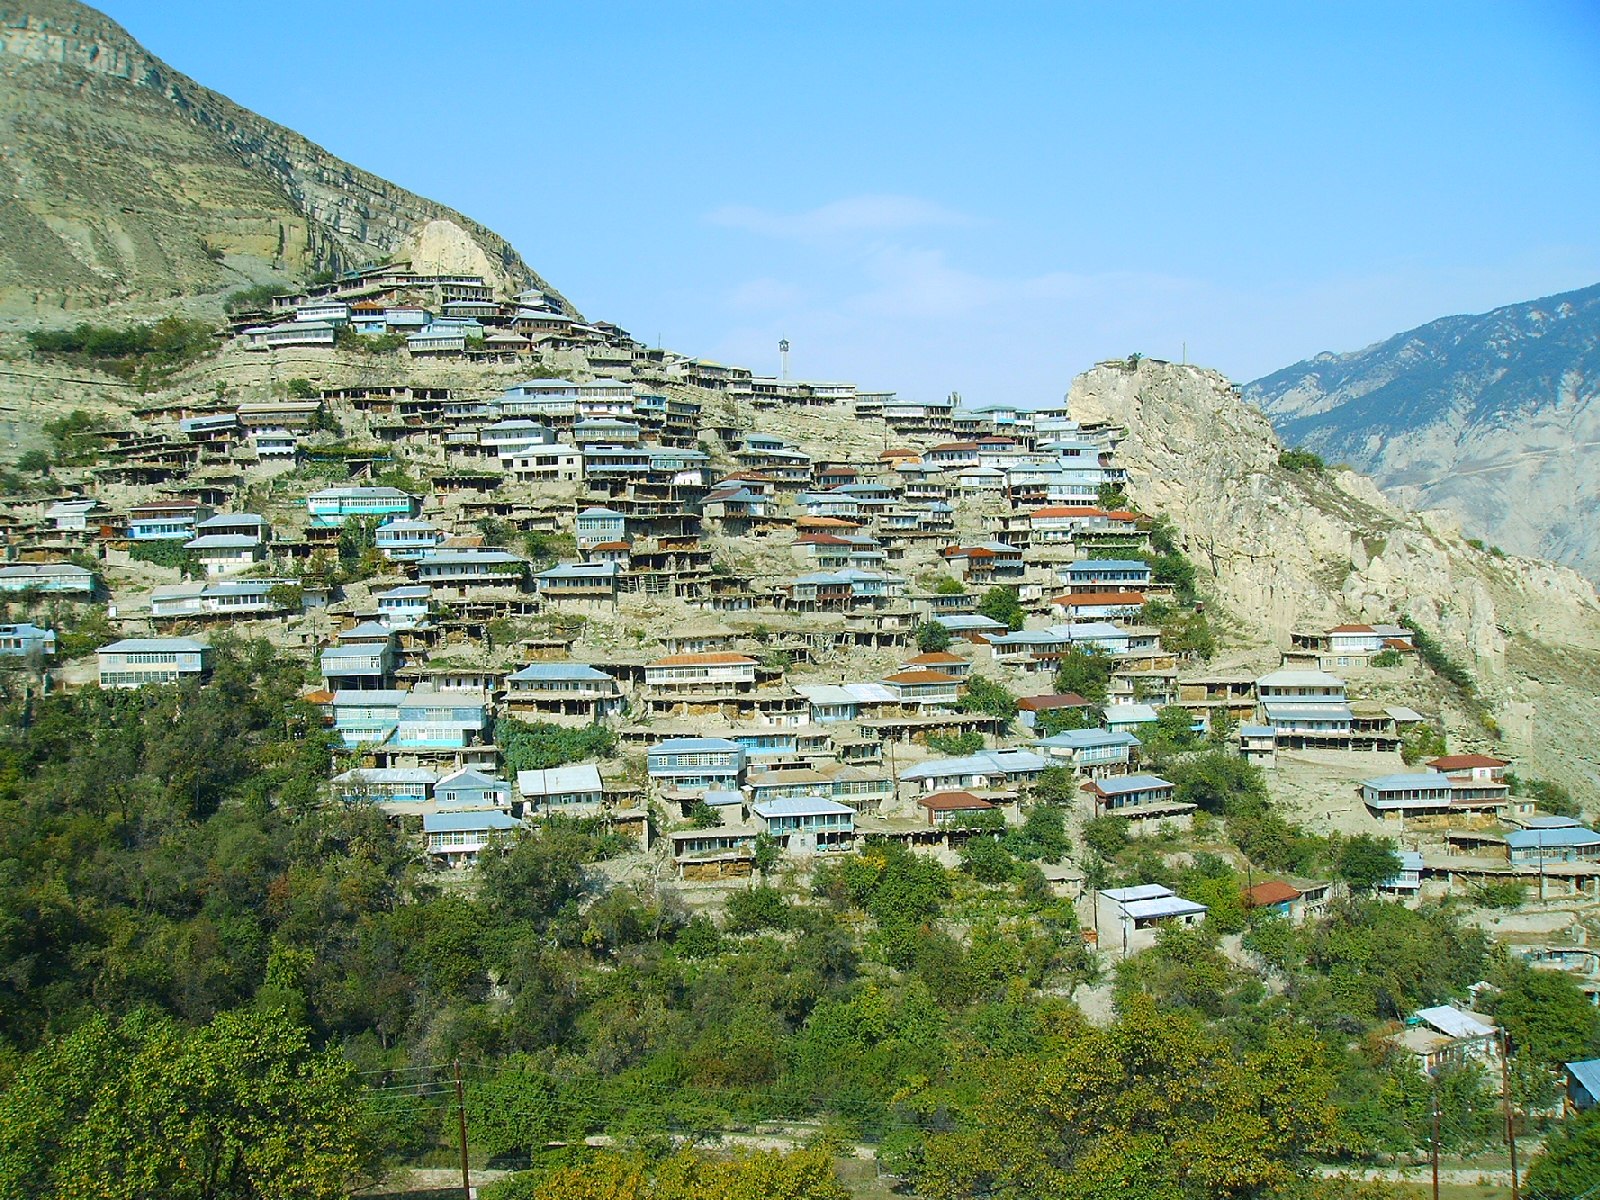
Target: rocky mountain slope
{"x": 121, "y": 178}
{"x": 1495, "y": 417}
{"x": 1283, "y": 551}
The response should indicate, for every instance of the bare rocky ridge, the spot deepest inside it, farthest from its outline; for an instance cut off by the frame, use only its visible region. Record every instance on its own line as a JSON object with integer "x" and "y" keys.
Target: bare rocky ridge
{"x": 1283, "y": 551}
{"x": 1494, "y": 416}
{"x": 121, "y": 178}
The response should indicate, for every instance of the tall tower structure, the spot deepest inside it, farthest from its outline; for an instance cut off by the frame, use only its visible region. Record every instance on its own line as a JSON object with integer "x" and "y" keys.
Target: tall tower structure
{"x": 783, "y": 358}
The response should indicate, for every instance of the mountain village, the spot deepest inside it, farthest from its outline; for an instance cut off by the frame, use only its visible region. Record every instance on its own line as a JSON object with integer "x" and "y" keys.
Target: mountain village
{"x": 808, "y": 615}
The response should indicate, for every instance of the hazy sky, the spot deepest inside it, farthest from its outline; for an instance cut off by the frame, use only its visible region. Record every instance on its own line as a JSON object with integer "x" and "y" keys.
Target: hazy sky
{"x": 976, "y": 197}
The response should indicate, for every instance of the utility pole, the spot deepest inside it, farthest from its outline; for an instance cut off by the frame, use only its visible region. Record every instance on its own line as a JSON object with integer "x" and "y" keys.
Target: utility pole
{"x": 1433, "y": 1152}
{"x": 1511, "y": 1119}
{"x": 461, "y": 1119}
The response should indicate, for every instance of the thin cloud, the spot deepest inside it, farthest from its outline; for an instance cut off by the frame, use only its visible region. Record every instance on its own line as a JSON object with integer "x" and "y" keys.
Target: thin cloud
{"x": 849, "y": 217}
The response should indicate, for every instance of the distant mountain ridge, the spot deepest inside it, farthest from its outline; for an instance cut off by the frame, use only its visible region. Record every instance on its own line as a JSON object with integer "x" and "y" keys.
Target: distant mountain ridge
{"x": 123, "y": 178}
{"x": 1495, "y": 417}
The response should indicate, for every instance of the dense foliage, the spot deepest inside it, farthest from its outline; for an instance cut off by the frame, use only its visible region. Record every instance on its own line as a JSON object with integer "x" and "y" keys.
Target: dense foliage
{"x": 202, "y": 953}
{"x": 142, "y": 354}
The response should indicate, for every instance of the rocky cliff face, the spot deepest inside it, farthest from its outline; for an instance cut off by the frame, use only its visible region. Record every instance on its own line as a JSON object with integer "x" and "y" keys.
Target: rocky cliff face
{"x": 122, "y": 178}
{"x": 1285, "y": 551}
{"x": 1493, "y": 417}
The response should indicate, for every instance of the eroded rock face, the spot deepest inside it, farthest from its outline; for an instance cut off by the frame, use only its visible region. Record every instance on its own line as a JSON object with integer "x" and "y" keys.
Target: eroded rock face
{"x": 1494, "y": 416}
{"x": 122, "y": 178}
{"x": 1285, "y": 551}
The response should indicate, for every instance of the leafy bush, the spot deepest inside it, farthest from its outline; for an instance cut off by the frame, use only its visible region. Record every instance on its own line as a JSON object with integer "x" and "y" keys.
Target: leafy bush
{"x": 1002, "y": 604}
{"x": 990, "y": 698}
{"x": 968, "y": 741}
{"x": 1387, "y": 658}
{"x": 756, "y": 909}
{"x": 1086, "y": 673}
{"x": 538, "y": 745}
{"x": 931, "y": 637}
{"x": 250, "y": 299}
{"x": 1551, "y": 797}
{"x": 142, "y": 354}
{"x": 167, "y": 553}
{"x": 1301, "y": 460}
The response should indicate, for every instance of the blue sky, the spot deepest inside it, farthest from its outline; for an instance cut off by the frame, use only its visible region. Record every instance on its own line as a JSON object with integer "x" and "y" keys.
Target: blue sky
{"x": 979, "y": 198}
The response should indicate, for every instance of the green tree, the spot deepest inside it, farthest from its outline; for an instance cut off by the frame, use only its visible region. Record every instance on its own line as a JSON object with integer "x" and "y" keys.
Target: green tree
{"x": 1364, "y": 861}
{"x": 241, "y": 1108}
{"x": 1421, "y": 741}
{"x": 1086, "y": 673}
{"x": 990, "y": 698}
{"x": 1544, "y": 1013}
{"x": 1002, "y": 604}
{"x": 1569, "y": 1164}
{"x": 931, "y": 637}
{"x": 686, "y": 1175}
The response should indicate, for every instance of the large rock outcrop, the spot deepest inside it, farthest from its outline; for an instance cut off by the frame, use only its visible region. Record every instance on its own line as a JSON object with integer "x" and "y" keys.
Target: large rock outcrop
{"x": 1495, "y": 417}
{"x": 121, "y": 178}
{"x": 1283, "y": 551}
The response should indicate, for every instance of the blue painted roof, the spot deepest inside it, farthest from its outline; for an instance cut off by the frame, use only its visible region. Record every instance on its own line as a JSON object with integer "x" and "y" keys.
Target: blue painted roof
{"x": 568, "y": 670}
{"x": 1118, "y": 784}
{"x": 1085, "y": 739}
{"x": 689, "y": 745}
{"x": 491, "y": 818}
{"x": 1586, "y": 1072}
{"x": 1551, "y": 839}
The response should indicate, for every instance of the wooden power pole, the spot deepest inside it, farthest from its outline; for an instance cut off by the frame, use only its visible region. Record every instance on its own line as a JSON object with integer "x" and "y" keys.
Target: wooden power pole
{"x": 1511, "y": 1118}
{"x": 461, "y": 1120}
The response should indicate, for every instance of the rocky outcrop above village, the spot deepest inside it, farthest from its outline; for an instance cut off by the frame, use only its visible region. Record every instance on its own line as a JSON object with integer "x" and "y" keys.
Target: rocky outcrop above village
{"x": 121, "y": 178}
{"x": 1495, "y": 417}
{"x": 1282, "y": 550}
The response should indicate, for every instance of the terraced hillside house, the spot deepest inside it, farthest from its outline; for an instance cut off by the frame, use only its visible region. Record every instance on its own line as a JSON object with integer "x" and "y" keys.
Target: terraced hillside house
{"x": 1548, "y": 840}
{"x": 362, "y": 657}
{"x": 597, "y": 524}
{"x": 809, "y": 824}
{"x": 924, "y": 690}
{"x": 712, "y": 674}
{"x": 1132, "y": 916}
{"x": 467, "y": 788}
{"x": 1105, "y": 575}
{"x": 953, "y": 809}
{"x": 471, "y": 567}
{"x": 135, "y": 662}
{"x": 988, "y": 564}
{"x": 403, "y": 787}
{"x": 987, "y": 770}
{"x": 579, "y": 583}
{"x": 77, "y": 516}
{"x": 1432, "y": 797}
{"x": 165, "y": 520}
{"x": 332, "y": 507}
{"x": 404, "y": 539}
{"x": 1305, "y": 708}
{"x": 563, "y": 693}
{"x": 458, "y": 838}
{"x": 571, "y": 789}
{"x": 440, "y": 721}
{"x": 226, "y": 553}
{"x": 245, "y": 599}
{"x": 696, "y": 764}
{"x": 405, "y": 607}
{"x": 1095, "y": 753}
{"x": 553, "y": 463}
{"x": 1144, "y": 801}
{"x": 1097, "y": 606}
{"x": 1064, "y": 524}
{"x": 24, "y": 641}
